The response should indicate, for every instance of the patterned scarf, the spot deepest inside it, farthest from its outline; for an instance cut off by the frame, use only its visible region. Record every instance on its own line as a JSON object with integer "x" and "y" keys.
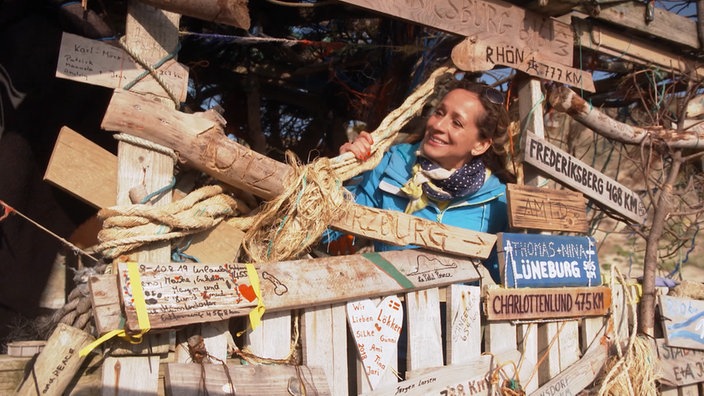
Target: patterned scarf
{"x": 431, "y": 181}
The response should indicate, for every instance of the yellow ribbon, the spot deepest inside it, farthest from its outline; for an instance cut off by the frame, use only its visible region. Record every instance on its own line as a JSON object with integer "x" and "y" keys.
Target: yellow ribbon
{"x": 255, "y": 315}
{"x": 414, "y": 189}
{"x": 140, "y": 306}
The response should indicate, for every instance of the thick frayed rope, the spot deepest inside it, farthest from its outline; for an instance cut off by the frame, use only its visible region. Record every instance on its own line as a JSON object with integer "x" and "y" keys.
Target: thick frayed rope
{"x": 289, "y": 224}
{"x": 129, "y": 227}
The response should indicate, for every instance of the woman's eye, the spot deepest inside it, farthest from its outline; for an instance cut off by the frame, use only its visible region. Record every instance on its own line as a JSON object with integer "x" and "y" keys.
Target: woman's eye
{"x": 457, "y": 123}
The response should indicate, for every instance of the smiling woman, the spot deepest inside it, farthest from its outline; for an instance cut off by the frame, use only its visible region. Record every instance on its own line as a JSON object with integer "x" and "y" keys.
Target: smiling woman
{"x": 455, "y": 175}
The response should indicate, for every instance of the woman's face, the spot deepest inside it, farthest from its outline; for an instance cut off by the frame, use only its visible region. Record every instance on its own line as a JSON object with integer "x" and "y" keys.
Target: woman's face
{"x": 451, "y": 134}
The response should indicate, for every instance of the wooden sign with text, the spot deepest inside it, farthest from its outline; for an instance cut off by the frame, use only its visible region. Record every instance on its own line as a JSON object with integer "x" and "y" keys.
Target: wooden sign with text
{"x": 546, "y": 209}
{"x": 485, "y": 19}
{"x": 574, "y": 173}
{"x": 679, "y": 366}
{"x": 547, "y": 303}
{"x": 98, "y": 63}
{"x": 683, "y": 322}
{"x": 537, "y": 260}
{"x": 579, "y": 375}
{"x": 481, "y": 55}
{"x": 182, "y": 293}
{"x": 471, "y": 378}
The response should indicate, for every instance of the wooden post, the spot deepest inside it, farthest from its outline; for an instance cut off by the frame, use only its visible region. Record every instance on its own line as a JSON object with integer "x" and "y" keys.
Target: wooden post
{"x": 324, "y": 342}
{"x": 150, "y": 34}
{"x": 57, "y": 364}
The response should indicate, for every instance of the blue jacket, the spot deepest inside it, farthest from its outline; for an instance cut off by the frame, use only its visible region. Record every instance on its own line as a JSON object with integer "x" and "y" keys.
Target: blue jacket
{"x": 484, "y": 211}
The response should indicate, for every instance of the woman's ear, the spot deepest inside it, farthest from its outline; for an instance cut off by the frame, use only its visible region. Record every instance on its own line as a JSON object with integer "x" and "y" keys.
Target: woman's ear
{"x": 481, "y": 147}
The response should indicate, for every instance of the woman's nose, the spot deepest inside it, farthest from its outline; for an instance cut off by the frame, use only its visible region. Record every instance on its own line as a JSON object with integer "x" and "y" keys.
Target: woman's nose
{"x": 439, "y": 123}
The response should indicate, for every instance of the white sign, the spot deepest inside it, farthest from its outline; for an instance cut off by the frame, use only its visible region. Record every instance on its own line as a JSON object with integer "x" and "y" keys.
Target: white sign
{"x": 376, "y": 330}
{"x": 574, "y": 173}
{"x": 98, "y": 63}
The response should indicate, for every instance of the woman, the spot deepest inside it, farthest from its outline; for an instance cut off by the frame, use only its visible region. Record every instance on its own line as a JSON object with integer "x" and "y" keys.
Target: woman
{"x": 455, "y": 175}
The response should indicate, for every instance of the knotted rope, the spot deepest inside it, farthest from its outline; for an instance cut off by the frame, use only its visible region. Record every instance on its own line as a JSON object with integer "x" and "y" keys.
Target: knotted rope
{"x": 128, "y": 227}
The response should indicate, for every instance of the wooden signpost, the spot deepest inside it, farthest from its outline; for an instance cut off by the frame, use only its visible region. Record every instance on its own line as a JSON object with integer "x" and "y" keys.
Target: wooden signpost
{"x": 99, "y": 63}
{"x": 201, "y": 145}
{"x": 574, "y": 173}
{"x": 182, "y": 293}
{"x": 471, "y": 378}
{"x": 679, "y": 366}
{"x": 546, "y": 209}
{"x": 547, "y": 303}
{"x": 485, "y": 20}
{"x": 537, "y": 260}
{"x": 683, "y": 322}
{"x": 482, "y": 55}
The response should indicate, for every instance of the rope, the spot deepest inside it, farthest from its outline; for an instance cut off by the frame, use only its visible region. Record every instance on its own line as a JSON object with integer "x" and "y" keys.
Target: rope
{"x": 151, "y": 70}
{"x": 347, "y": 166}
{"x": 129, "y": 227}
{"x": 123, "y": 137}
{"x": 288, "y": 225}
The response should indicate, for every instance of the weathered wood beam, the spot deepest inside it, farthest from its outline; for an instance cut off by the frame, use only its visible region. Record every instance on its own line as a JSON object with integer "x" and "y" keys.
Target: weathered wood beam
{"x": 665, "y": 25}
{"x": 629, "y": 48}
{"x": 484, "y": 19}
{"x": 565, "y": 100}
{"x": 201, "y": 143}
{"x": 177, "y": 294}
{"x": 232, "y": 12}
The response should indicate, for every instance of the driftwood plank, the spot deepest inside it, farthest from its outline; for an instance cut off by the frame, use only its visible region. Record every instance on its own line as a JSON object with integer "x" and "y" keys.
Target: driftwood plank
{"x": 202, "y": 146}
{"x": 547, "y": 303}
{"x": 574, "y": 173}
{"x": 179, "y": 293}
{"x": 58, "y": 362}
{"x": 183, "y": 379}
{"x": 484, "y": 20}
{"x": 546, "y": 209}
{"x": 464, "y": 334}
{"x": 84, "y": 169}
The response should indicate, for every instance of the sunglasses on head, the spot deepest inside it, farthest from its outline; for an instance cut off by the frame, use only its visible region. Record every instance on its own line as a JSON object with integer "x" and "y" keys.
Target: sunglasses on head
{"x": 493, "y": 95}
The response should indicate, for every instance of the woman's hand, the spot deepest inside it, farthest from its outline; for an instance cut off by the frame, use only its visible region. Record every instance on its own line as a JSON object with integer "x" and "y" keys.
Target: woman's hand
{"x": 361, "y": 147}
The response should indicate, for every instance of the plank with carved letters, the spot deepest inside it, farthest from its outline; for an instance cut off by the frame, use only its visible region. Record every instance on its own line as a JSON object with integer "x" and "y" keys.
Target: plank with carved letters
{"x": 683, "y": 321}
{"x": 546, "y": 209}
{"x": 182, "y": 293}
{"x": 574, "y": 173}
{"x": 481, "y": 55}
{"x": 471, "y": 378}
{"x": 485, "y": 19}
{"x": 201, "y": 145}
{"x": 547, "y": 303}
{"x": 679, "y": 366}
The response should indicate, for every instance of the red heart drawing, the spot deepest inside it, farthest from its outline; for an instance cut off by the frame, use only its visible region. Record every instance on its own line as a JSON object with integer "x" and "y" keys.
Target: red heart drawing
{"x": 247, "y": 291}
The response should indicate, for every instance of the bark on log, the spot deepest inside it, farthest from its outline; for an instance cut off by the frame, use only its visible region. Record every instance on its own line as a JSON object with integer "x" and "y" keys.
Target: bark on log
{"x": 565, "y": 100}
{"x": 232, "y": 12}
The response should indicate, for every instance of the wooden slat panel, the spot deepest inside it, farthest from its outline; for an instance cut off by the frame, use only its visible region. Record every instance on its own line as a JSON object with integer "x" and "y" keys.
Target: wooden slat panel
{"x": 324, "y": 344}
{"x": 424, "y": 333}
